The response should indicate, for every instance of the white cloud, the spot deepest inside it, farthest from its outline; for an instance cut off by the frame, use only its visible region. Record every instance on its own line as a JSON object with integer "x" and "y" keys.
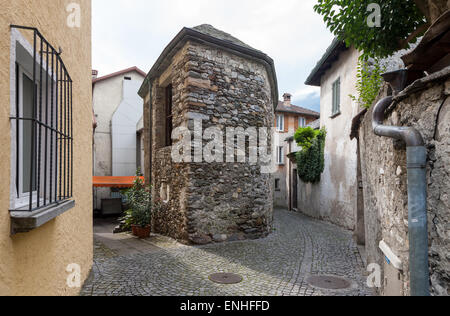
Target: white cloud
{"x": 306, "y": 92}
{"x": 134, "y": 33}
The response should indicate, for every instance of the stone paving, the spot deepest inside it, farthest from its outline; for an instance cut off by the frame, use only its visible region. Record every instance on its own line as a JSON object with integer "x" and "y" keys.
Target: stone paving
{"x": 275, "y": 266}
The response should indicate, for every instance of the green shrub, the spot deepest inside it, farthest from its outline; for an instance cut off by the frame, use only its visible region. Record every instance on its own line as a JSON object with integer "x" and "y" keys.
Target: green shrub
{"x": 140, "y": 205}
{"x": 311, "y": 159}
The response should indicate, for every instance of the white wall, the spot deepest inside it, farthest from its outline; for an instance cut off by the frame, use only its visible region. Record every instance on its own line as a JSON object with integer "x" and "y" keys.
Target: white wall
{"x": 107, "y": 97}
{"x": 334, "y": 198}
{"x": 123, "y": 129}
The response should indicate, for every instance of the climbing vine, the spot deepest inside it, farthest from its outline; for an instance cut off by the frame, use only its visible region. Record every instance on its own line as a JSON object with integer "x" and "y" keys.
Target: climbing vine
{"x": 369, "y": 81}
{"x": 311, "y": 159}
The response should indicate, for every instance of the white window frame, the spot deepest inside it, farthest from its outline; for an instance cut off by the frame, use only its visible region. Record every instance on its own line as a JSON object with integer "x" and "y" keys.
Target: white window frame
{"x": 301, "y": 122}
{"x": 280, "y": 155}
{"x": 20, "y": 199}
{"x": 280, "y": 123}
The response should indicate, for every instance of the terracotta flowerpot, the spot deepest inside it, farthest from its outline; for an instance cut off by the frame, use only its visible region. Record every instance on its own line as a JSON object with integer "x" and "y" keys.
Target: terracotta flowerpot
{"x": 141, "y": 232}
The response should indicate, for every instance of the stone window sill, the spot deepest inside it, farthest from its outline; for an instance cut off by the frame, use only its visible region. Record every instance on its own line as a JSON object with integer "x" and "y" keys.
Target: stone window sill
{"x": 23, "y": 221}
{"x": 335, "y": 115}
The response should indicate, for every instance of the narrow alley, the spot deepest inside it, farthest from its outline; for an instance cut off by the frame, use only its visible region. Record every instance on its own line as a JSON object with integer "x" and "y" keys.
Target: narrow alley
{"x": 279, "y": 265}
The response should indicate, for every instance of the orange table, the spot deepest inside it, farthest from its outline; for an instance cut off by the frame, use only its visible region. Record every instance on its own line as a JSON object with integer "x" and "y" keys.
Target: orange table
{"x": 114, "y": 182}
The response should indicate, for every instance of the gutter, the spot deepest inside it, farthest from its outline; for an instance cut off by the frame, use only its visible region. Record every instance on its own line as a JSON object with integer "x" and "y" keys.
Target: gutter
{"x": 417, "y": 184}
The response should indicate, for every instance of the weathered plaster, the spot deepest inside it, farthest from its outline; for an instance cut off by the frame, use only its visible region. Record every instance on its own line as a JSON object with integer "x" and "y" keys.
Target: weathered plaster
{"x": 107, "y": 97}
{"x": 335, "y": 197}
{"x": 35, "y": 263}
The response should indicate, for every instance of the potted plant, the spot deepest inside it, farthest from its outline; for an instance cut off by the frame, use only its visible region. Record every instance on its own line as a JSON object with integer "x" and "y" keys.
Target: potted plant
{"x": 140, "y": 209}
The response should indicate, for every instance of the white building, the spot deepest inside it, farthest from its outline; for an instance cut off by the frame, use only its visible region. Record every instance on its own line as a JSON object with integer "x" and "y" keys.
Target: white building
{"x": 335, "y": 197}
{"x": 118, "y": 110}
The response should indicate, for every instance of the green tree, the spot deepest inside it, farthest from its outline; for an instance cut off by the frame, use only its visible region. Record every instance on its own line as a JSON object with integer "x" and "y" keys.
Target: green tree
{"x": 401, "y": 23}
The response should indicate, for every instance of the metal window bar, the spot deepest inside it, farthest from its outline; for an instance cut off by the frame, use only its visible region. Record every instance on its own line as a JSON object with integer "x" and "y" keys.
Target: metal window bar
{"x": 51, "y": 161}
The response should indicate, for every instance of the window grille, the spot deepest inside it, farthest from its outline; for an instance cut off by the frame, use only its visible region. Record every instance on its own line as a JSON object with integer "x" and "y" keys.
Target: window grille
{"x": 46, "y": 126}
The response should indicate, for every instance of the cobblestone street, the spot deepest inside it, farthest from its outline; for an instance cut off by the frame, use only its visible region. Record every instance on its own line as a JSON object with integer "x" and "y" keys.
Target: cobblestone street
{"x": 278, "y": 265}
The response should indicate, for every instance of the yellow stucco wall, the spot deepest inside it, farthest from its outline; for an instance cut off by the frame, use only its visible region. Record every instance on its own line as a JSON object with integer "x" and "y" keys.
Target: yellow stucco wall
{"x": 35, "y": 263}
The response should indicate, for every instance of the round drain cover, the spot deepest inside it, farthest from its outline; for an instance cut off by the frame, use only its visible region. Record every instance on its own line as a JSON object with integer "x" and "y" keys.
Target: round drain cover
{"x": 328, "y": 282}
{"x": 226, "y": 278}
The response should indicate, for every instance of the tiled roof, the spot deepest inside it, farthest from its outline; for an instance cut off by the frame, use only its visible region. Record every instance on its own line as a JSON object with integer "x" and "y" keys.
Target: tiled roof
{"x": 327, "y": 60}
{"x": 212, "y": 31}
{"x": 295, "y": 109}
{"x": 119, "y": 73}
{"x": 315, "y": 124}
{"x": 206, "y": 34}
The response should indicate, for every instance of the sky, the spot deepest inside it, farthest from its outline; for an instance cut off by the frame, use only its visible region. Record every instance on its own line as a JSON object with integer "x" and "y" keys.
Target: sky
{"x": 130, "y": 33}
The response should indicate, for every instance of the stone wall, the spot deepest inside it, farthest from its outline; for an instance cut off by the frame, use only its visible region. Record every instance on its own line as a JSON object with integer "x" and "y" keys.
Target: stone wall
{"x": 383, "y": 162}
{"x": 212, "y": 201}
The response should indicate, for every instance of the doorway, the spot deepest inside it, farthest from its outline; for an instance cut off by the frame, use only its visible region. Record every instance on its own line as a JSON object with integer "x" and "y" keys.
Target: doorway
{"x": 294, "y": 190}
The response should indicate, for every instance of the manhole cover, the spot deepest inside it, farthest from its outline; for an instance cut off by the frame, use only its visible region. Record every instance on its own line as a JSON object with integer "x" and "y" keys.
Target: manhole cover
{"x": 328, "y": 282}
{"x": 226, "y": 278}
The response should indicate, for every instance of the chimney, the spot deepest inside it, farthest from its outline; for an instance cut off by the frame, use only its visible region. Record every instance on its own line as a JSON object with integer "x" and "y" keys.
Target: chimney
{"x": 287, "y": 99}
{"x": 94, "y": 74}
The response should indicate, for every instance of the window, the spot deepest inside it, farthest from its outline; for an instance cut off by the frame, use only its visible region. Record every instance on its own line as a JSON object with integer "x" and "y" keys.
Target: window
{"x": 280, "y": 123}
{"x": 336, "y": 109}
{"x": 41, "y": 126}
{"x": 169, "y": 122}
{"x": 280, "y": 155}
{"x": 301, "y": 122}
{"x": 277, "y": 184}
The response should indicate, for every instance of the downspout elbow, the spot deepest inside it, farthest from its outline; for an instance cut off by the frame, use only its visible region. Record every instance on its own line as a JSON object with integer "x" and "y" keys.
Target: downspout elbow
{"x": 409, "y": 135}
{"x": 417, "y": 195}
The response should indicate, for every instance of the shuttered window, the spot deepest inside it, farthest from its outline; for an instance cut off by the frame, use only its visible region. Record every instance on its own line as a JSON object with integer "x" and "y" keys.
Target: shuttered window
{"x": 336, "y": 108}
{"x": 302, "y": 122}
{"x": 280, "y": 123}
{"x": 280, "y": 155}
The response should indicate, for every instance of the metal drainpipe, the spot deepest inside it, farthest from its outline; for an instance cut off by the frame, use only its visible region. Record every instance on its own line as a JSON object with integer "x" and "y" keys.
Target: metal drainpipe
{"x": 417, "y": 186}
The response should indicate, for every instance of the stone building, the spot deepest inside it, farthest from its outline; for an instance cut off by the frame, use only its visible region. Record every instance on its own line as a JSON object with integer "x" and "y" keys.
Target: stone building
{"x": 46, "y": 188}
{"x": 288, "y": 118}
{"x": 206, "y": 78}
{"x": 118, "y": 110}
{"x": 335, "y": 197}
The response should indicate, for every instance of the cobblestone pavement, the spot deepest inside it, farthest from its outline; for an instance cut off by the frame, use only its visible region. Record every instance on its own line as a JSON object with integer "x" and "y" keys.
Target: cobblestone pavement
{"x": 275, "y": 266}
